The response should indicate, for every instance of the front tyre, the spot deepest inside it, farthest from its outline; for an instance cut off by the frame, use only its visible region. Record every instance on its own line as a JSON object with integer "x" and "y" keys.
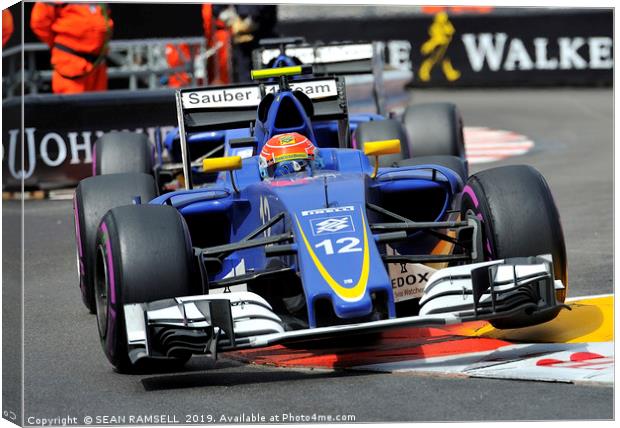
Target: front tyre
{"x": 143, "y": 255}
{"x": 519, "y": 219}
{"x": 93, "y": 197}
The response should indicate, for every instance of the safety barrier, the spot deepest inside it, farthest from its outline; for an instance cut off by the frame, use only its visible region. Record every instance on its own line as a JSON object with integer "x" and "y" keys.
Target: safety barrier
{"x": 141, "y": 63}
{"x": 515, "y": 47}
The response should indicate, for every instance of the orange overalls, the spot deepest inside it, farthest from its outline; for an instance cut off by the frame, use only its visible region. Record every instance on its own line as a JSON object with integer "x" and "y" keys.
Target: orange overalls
{"x": 7, "y": 26}
{"x": 176, "y": 56}
{"x": 218, "y": 66}
{"x": 77, "y": 34}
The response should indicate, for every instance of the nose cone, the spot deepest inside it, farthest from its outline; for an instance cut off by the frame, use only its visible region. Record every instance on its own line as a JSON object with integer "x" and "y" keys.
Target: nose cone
{"x": 338, "y": 259}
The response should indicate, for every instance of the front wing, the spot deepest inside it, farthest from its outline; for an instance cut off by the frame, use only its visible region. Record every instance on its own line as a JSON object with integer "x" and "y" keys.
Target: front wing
{"x": 208, "y": 324}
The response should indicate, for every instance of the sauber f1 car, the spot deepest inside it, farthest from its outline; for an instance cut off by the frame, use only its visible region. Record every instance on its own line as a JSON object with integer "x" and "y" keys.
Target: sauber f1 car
{"x": 305, "y": 228}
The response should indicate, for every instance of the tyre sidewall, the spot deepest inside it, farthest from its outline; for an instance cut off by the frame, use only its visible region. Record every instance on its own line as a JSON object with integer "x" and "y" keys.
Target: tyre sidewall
{"x": 114, "y": 338}
{"x": 532, "y": 197}
{"x": 83, "y": 266}
{"x": 474, "y": 201}
{"x": 147, "y": 256}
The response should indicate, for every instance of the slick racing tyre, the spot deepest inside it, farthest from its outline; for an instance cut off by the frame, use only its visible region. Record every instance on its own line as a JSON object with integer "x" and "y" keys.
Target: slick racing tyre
{"x": 119, "y": 152}
{"x": 378, "y": 130}
{"x": 143, "y": 254}
{"x": 93, "y": 197}
{"x": 434, "y": 129}
{"x": 519, "y": 219}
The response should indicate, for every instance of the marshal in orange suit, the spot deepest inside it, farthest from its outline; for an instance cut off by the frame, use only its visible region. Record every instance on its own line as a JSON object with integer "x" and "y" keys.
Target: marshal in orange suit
{"x": 78, "y": 36}
{"x": 216, "y": 31}
{"x": 7, "y": 26}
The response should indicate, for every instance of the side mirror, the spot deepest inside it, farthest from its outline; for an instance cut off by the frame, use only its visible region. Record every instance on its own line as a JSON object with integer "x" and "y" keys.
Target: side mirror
{"x": 381, "y": 148}
{"x": 221, "y": 164}
{"x": 229, "y": 164}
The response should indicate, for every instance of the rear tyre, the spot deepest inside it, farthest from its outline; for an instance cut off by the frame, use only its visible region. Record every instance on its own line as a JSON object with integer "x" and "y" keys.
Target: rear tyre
{"x": 93, "y": 197}
{"x": 143, "y": 255}
{"x": 434, "y": 129}
{"x": 378, "y": 130}
{"x": 121, "y": 152}
{"x": 519, "y": 219}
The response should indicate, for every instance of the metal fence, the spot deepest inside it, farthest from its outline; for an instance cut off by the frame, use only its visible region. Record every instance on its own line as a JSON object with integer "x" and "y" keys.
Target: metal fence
{"x": 141, "y": 62}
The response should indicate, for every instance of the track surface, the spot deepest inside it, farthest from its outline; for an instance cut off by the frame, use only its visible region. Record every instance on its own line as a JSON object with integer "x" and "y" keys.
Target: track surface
{"x": 66, "y": 372}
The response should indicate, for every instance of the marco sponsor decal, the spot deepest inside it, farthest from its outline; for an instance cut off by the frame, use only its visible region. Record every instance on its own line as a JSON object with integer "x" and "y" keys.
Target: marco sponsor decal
{"x": 250, "y": 96}
{"x": 329, "y": 225}
{"x": 500, "y": 52}
{"x": 54, "y": 149}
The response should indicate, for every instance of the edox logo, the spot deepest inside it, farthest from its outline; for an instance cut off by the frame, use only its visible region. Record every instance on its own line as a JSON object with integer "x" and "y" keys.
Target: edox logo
{"x": 332, "y": 225}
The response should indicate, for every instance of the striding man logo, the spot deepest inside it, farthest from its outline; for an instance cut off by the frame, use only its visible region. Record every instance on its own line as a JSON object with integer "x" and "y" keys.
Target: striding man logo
{"x": 434, "y": 49}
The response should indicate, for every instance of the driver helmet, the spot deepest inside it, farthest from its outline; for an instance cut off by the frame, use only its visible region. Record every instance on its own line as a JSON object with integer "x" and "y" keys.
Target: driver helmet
{"x": 285, "y": 154}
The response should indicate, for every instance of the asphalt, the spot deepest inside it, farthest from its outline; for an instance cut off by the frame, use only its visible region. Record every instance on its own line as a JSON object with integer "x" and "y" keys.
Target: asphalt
{"x": 67, "y": 375}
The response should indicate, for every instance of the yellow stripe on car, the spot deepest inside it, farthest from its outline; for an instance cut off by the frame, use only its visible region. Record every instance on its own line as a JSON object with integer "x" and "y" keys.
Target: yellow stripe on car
{"x": 354, "y": 293}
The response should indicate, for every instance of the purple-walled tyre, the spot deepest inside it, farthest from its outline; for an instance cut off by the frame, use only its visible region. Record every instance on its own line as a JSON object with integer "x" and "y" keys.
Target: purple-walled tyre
{"x": 142, "y": 256}
{"x": 93, "y": 197}
{"x": 519, "y": 219}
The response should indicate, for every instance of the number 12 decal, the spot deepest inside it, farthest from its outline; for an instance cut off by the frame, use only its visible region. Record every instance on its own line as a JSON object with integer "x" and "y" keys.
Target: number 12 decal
{"x": 346, "y": 245}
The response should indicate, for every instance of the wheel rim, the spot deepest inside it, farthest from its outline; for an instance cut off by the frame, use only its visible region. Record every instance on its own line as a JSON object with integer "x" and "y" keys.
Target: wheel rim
{"x": 101, "y": 292}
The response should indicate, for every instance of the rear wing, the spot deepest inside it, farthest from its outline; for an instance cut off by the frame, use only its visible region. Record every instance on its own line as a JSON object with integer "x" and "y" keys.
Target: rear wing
{"x": 235, "y": 106}
{"x": 328, "y": 59}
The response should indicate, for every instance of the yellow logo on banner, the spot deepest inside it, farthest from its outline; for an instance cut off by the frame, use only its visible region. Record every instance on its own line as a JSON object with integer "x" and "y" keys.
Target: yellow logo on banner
{"x": 440, "y": 32}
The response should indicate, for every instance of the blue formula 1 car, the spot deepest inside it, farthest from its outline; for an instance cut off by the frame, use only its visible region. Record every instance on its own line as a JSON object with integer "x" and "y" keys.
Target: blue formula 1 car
{"x": 302, "y": 231}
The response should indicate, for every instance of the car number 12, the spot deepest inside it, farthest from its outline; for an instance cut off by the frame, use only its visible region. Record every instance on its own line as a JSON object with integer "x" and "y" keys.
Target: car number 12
{"x": 345, "y": 245}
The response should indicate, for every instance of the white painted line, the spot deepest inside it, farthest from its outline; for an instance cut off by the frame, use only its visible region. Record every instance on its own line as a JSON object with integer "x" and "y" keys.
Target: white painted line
{"x": 497, "y": 152}
{"x": 596, "y": 296}
{"x": 484, "y": 145}
{"x": 483, "y": 159}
